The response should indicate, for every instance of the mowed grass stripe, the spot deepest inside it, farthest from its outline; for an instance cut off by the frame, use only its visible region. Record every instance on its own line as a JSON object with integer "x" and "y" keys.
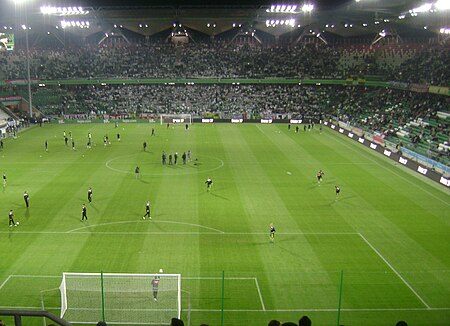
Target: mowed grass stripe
{"x": 269, "y": 207}
{"x": 311, "y": 205}
{"x": 402, "y": 229}
{"x": 300, "y": 271}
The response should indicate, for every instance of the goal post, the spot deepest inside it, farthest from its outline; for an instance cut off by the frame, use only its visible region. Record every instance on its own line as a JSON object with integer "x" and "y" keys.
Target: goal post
{"x": 175, "y": 118}
{"x": 128, "y": 299}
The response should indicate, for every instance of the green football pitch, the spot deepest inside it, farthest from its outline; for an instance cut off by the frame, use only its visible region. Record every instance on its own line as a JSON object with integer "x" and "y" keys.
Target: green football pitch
{"x": 378, "y": 254}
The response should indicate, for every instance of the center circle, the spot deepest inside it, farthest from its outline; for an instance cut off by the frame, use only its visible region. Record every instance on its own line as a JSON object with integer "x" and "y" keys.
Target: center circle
{"x": 127, "y": 163}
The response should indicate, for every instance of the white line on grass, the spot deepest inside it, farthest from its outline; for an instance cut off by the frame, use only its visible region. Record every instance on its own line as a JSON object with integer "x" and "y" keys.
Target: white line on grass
{"x": 394, "y": 270}
{"x": 398, "y": 175}
{"x": 178, "y": 172}
{"x": 218, "y": 232}
{"x": 321, "y": 310}
{"x": 37, "y": 276}
{"x": 5, "y": 281}
{"x": 260, "y": 295}
{"x": 270, "y": 310}
{"x": 134, "y": 221}
{"x": 217, "y": 278}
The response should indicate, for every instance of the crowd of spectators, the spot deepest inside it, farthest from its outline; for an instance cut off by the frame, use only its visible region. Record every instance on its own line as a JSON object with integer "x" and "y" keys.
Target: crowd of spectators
{"x": 164, "y": 60}
{"x": 405, "y": 62}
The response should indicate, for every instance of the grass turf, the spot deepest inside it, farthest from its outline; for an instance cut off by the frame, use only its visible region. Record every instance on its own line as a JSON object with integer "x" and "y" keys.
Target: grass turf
{"x": 388, "y": 234}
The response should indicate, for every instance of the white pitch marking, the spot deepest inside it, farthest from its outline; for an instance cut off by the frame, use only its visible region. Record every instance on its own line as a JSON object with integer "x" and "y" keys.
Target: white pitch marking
{"x": 395, "y": 271}
{"x": 4, "y": 282}
{"x": 159, "y": 221}
{"x": 260, "y": 295}
{"x": 398, "y": 175}
{"x": 322, "y": 310}
{"x": 175, "y": 233}
{"x": 270, "y": 310}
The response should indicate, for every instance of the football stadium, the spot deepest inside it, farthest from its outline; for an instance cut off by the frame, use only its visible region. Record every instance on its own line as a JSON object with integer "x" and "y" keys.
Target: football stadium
{"x": 229, "y": 163}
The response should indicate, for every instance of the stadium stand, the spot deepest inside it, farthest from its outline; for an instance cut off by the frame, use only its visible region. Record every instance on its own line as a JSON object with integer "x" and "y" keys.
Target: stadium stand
{"x": 222, "y": 60}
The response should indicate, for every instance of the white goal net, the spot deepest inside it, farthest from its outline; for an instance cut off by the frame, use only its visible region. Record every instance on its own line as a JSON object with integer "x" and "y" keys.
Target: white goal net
{"x": 129, "y": 299}
{"x": 176, "y": 118}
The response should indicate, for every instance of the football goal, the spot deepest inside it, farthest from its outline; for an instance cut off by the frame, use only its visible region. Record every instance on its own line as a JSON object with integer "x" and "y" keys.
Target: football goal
{"x": 175, "y": 118}
{"x": 129, "y": 299}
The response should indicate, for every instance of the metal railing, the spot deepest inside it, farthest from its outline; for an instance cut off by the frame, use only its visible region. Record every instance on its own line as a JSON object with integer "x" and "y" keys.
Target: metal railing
{"x": 18, "y": 314}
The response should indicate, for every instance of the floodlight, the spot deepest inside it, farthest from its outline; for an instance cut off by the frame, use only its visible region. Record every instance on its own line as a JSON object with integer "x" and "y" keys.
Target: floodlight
{"x": 307, "y": 7}
{"x": 423, "y": 8}
{"x": 24, "y": 27}
{"x": 442, "y": 4}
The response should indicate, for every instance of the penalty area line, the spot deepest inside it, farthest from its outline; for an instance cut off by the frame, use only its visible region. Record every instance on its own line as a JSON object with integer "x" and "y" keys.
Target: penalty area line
{"x": 274, "y": 310}
{"x": 260, "y": 295}
{"x": 323, "y": 310}
{"x": 5, "y": 281}
{"x": 395, "y": 271}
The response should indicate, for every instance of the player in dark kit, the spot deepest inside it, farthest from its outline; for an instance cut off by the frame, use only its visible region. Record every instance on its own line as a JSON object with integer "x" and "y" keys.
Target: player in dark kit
{"x": 147, "y": 210}
{"x": 209, "y": 183}
{"x": 155, "y": 284}
{"x": 145, "y": 146}
{"x": 90, "y": 194}
{"x": 338, "y": 190}
{"x": 272, "y": 232}
{"x": 184, "y": 157}
{"x": 11, "y": 218}
{"x": 26, "y": 198}
{"x": 319, "y": 176}
{"x": 84, "y": 213}
{"x": 136, "y": 171}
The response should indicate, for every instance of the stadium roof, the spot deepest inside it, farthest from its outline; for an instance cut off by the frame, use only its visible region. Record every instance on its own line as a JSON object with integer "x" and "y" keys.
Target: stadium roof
{"x": 336, "y": 18}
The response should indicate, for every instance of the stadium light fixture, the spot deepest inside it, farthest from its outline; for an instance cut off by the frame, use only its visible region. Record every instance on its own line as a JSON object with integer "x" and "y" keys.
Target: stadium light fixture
{"x": 282, "y": 9}
{"x": 73, "y": 23}
{"x": 423, "y": 8}
{"x": 307, "y": 7}
{"x": 63, "y": 11}
{"x": 444, "y": 30}
{"x": 442, "y": 5}
{"x": 280, "y": 22}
